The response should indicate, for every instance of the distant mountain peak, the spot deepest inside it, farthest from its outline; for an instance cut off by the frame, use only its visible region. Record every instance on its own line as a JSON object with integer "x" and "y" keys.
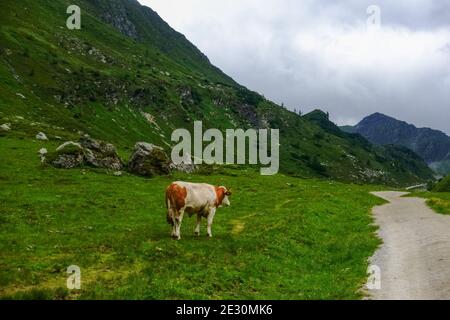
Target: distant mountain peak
{"x": 377, "y": 116}
{"x": 432, "y": 145}
{"x": 317, "y": 113}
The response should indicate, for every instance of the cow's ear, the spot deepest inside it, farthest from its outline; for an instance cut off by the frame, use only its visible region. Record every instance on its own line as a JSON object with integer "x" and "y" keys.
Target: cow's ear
{"x": 229, "y": 192}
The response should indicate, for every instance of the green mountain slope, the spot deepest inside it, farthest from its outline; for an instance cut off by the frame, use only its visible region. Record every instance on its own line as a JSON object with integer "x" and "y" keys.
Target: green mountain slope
{"x": 399, "y": 159}
{"x": 443, "y": 185}
{"x": 126, "y": 76}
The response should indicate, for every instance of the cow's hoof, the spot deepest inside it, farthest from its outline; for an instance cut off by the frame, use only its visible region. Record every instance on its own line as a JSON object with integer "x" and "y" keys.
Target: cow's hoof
{"x": 210, "y": 236}
{"x": 197, "y": 234}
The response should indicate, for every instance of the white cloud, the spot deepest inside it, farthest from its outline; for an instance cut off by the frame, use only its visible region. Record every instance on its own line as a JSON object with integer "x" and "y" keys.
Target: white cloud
{"x": 311, "y": 54}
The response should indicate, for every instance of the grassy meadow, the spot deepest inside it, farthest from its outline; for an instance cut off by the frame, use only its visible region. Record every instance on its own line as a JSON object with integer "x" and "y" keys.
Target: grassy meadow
{"x": 438, "y": 201}
{"x": 282, "y": 238}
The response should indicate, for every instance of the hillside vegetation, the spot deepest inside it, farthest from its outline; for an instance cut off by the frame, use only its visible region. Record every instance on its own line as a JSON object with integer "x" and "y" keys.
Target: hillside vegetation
{"x": 126, "y": 76}
{"x": 439, "y": 197}
{"x": 443, "y": 185}
{"x": 438, "y": 201}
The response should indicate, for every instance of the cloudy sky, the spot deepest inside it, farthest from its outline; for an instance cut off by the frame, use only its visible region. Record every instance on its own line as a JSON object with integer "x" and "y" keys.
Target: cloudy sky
{"x": 322, "y": 54}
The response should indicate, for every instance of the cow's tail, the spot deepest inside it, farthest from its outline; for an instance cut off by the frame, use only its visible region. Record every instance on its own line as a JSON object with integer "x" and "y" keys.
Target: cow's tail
{"x": 169, "y": 208}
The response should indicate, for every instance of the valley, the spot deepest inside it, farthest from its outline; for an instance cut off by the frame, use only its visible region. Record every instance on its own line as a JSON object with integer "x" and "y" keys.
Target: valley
{"x": 282, "y": 237}
{"x": 303, "y": 231}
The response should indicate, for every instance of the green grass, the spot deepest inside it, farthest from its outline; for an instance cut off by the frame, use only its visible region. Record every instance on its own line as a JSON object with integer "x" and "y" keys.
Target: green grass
{"x": 282, "y": 238}
{"x": 438, "y": 201}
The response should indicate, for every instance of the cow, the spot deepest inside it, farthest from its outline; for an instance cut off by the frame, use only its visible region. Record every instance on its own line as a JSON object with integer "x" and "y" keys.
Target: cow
{"x": 194, "y": 198}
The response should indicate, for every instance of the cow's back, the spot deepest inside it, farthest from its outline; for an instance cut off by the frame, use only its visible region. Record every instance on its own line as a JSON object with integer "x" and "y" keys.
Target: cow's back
{"x": 199, "y": 195}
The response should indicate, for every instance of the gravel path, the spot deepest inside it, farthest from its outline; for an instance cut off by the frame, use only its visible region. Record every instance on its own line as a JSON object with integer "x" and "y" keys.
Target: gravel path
{"x": 414, "y": 261}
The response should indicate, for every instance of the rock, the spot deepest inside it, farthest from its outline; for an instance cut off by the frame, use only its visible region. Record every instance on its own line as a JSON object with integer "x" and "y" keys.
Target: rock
{"x": 41, "y": 136}
{"x": 68, "y": 161}
{"x": 100, "y": 154}
{"x": 5, "y": 127}
{"x": 187, "y": 166}
{"x": 149, "y": 160}
{"x": 87, "y": 142}
{"x": 89, "y": 152}
{"x": 116, "y": 15}
{"x": 118, "y": 173}
{"x": 67, "y": 156}
{"x": 42, "y": 153}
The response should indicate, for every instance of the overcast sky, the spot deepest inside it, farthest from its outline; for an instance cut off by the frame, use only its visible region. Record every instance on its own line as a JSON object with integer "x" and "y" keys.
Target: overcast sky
{"x": 321, "y": 54}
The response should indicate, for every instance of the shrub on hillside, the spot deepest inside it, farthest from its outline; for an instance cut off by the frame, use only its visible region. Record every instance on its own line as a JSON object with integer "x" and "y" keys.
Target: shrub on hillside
{"x": 443, "y": 185}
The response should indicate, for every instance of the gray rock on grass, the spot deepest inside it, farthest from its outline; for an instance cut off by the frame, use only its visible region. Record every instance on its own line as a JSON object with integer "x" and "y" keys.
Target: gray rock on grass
{"x": 5, "y": 127}
{"x": 149, "y": 160}
{"x": 89, "y": 152}
{"x": 41, "y": 136}
{"x": 42, "y": 154}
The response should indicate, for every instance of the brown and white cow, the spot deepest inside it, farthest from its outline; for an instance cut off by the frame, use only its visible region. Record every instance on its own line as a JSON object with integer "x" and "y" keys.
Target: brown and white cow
{"x": 194, "y": 198}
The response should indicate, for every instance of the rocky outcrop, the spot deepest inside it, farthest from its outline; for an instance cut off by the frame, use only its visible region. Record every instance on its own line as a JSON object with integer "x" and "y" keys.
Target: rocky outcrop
{"x": 188, "y": 97}
{"x": 89, "y": 152}
{"x": 187, "y": 166}
{"x": 67, "y": 156}
{"x": 100, "y": 154}
{"x": 116, "y": 13}
{"x": 149, "y": 160}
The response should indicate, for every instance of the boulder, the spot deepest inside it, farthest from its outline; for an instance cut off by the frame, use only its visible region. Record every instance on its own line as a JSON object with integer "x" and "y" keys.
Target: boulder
{"x": 149, "y": 160}
{"x": 100, "y": 154}
{"x": 5, "y": 127}
{"x": 187, "y": 166}
{"x": 42, "y": 153}
{"x": 41, "y": 136}
{"x": 89, "y": 152}
{"x": 67, "y": 156}
{"x": 68, "y": 161}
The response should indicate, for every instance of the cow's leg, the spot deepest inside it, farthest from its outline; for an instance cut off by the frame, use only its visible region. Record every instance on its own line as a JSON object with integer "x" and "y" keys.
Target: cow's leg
{"x": 212, "y": 213}
{"x": 171, "y": 220}
{"x": 174, "y": 224}
{"x": 199, "y": 222}
{"x": 179, "y": 220}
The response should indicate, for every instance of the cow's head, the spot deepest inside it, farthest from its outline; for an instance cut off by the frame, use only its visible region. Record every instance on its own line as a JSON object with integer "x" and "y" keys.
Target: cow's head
{"x": 223, "y": 195}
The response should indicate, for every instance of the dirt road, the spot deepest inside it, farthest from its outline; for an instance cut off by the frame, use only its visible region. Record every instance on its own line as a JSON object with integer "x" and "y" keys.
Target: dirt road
{"x": 414, "y": 261}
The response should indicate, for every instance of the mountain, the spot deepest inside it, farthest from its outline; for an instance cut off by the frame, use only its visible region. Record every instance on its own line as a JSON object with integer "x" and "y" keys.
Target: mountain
{"x": 127, "y": 76}
{"x": 432, "y": 145}
{"x": 404, "y": 159}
